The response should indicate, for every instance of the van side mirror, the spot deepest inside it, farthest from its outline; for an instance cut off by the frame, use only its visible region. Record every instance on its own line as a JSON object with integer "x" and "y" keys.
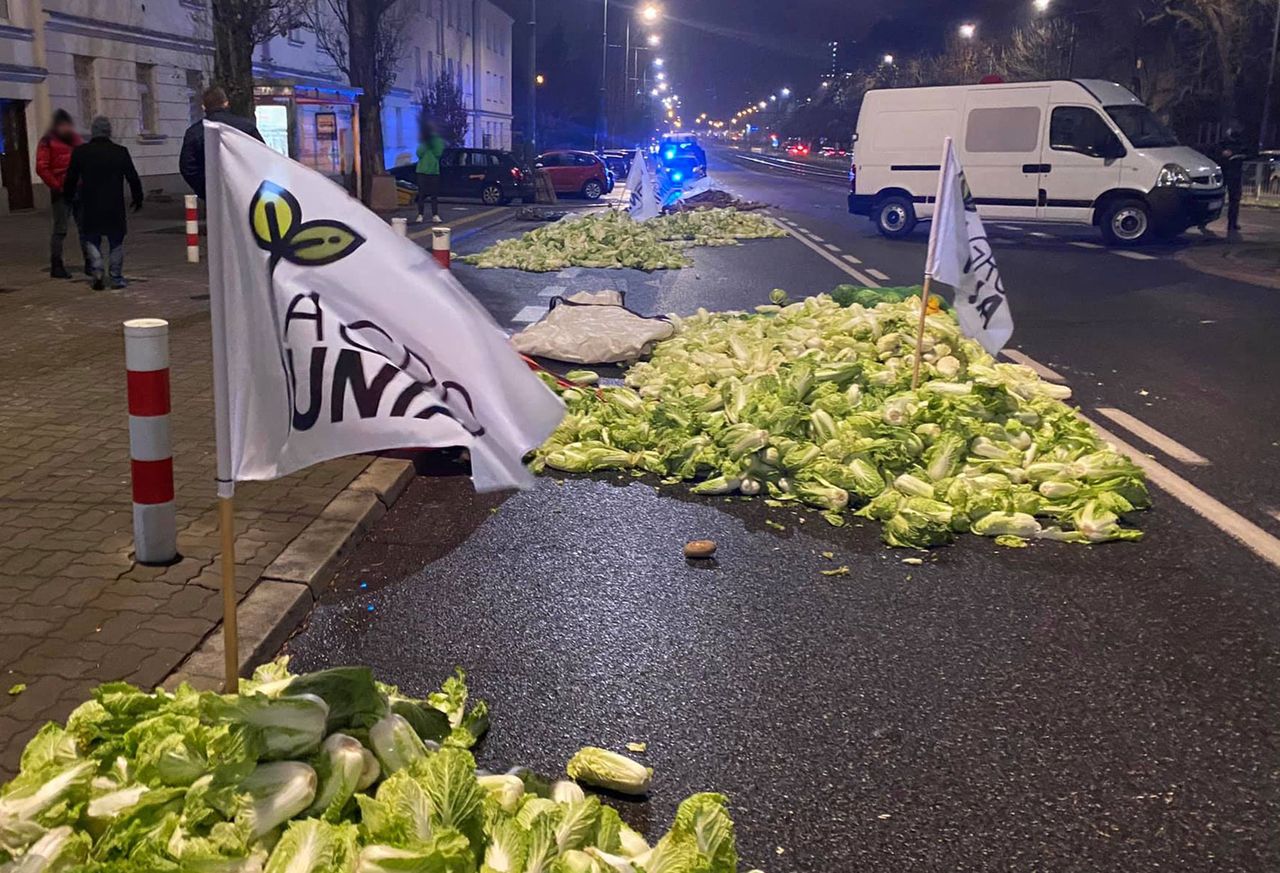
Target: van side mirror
{"x": 1110, "y": 149}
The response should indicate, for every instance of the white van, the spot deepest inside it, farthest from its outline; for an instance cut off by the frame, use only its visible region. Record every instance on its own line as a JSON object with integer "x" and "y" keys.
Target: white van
{"x": 1076, "y": 152}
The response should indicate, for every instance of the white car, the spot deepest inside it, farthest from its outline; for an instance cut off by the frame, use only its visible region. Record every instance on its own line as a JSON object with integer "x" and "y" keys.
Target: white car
{"x": 1075, "y": 152}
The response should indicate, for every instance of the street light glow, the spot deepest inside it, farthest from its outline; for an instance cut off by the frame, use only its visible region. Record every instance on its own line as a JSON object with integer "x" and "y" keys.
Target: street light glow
{"x": 660, "y": 76}
{"x": 655, "y": 40}
{"x": 786, "y": 92}
{"x": 888, "y": 59}
{"x": 650, "y": 13}
{"x": 1042, "y": 5}
{"x": 657, "y": 62}
{"x": 967, "y": 31}
{"x": 653, "y": 93}
{"x": 762, "y": 104}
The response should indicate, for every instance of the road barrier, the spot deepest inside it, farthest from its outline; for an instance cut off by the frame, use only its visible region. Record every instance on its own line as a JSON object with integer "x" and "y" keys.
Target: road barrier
{"x": 193, "y": 228}
{"x": 440, "y": 243}
{"x": 146, "y": 356}
{"x": 400, "y": 226}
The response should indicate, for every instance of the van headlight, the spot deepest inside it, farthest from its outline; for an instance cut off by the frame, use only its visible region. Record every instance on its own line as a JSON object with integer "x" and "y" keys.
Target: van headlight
{"x": 1173, "y": 176}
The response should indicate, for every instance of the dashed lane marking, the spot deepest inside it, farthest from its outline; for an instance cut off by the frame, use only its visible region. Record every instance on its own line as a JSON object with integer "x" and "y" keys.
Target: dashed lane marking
{"x": 1148, "y": 434}
{"x": 1087, "y": 245}
{"x": 881, "y": 276}
{"x": 568, "y": 272}
{"x": 1040, "y": 235}
{"x": 1012, "y": 227}
{"x": 1040, "y": 369}
{"x": 1135, "y": 256}
{"x": 815, "y": 237}
{"x": 801, "y": 229}
{"x": 851, "y": 259}
{"x": 529, "y": 315}
{"x": 552, "y": 291}
{"x": 841, "y": 265}
{"x": 1221, "y": 516}
{"x": 831, "y": 248}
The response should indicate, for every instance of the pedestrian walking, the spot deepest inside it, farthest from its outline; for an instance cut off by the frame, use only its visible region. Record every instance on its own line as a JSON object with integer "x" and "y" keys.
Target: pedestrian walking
{"x": 1233, "y": 151}
{"x": 191, "y": 158}
{"x": 96, "y": 176}
{"x": 430, "y": 149}
{"x": 53, "y": 156}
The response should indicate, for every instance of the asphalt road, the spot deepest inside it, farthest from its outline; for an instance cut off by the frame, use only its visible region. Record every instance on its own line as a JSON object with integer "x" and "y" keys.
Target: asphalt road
{"x": 1053, "y": 708}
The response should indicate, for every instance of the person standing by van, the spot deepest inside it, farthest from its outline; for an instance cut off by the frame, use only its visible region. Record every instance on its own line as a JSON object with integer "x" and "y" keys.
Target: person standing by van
{"x": 430, "y": 149}
{"x": 1233, "y": 151}
{"x": 53, "y": 156}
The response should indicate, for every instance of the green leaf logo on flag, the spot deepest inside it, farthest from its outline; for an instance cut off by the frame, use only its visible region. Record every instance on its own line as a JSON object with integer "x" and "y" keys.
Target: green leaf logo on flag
{"x": 275, "y": 216}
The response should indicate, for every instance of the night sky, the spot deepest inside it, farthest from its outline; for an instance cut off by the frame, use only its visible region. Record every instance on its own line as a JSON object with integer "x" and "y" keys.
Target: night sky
{"x": 722, "y": 54}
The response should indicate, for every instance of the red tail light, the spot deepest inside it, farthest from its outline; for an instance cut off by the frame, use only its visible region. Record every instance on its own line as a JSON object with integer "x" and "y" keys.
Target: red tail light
{"x": 516, "y": 174}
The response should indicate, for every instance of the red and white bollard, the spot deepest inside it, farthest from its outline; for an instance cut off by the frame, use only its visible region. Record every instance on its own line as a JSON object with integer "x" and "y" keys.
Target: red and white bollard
{"x": 193, "y": 229}
{"x": 440, "y": 243}
{"x": 146, "y": 356}
{"x": 400, "y": 226}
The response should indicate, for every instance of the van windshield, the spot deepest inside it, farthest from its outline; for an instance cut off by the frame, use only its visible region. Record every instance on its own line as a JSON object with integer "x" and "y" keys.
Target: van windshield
{"x": 1141, "y": 127}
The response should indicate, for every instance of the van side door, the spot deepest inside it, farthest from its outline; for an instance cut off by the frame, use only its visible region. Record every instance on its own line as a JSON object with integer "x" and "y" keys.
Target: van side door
{"x": 1000, "y": 149}
{"x": 1080, "y": 161}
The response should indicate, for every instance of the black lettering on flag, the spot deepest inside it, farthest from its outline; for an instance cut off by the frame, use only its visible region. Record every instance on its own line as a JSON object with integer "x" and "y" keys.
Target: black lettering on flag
{"x": 316, "y": 314}
{"x": 349, "y": 371}
{"x": 987, "y": 308}
{"x": 315, "y": 378}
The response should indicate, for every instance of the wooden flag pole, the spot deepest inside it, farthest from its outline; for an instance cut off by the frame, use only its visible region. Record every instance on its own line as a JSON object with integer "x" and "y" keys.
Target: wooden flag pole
{"x": 924, "y": 314}
{"x": 230, "y": 630}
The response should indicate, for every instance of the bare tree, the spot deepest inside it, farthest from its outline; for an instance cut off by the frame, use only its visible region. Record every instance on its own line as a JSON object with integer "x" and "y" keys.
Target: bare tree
{"x": 239, "y": 27}
{"x": 365, "y": 40}
{"x": 1219, "y": 31}
{"x": 1040, "y": 51}
{"x": 443, "y": 105}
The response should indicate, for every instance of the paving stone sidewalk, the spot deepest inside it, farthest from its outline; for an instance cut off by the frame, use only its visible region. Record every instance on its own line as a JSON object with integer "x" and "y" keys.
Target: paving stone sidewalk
{"x": 75, "y": 610}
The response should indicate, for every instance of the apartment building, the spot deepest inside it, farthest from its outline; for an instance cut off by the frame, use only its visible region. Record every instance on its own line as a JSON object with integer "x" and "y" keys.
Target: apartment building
{"x": 144, "y": 63}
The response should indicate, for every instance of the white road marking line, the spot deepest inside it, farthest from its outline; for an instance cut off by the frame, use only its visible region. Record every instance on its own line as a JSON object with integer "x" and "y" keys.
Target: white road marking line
{"x": 1148, "y": 434}
{"x": 881, "y": 276}
{"x": 1223, "y": 517}
{"x": 552, "y": 291}
{"x": 788, "y": 221}
{"x": 1135, "y": 256}
{"x": 529, "y": 315}
{"x": 865, "y": 280}
{"x": 801, "y": 229}
{"x": 1040, "y": 369}
{"x": 1226, "y": 519}
{"x": 1087, "y": 245}
{"x": 851, "y": 259}
{"x": 1009, "y": 227}
{"x": 831, "y": 248}
{"x": 1274, "y": 513}
{"x": 815, "y": 237}
{"x": 1040, "y": 235}
{"x": 568, "y": 272}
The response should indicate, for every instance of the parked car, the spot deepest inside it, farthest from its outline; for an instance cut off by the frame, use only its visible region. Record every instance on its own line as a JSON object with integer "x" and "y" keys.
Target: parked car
{"x": 1076, "y": 152}
{"x": 574, "y": 172}
{"x": 618, "y": 161}
{"x": 490, "y": 174}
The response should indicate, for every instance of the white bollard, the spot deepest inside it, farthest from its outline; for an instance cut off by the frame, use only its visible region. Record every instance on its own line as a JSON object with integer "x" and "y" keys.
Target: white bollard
{"x": 400, "y": 226}
{"x": 441, "y": 242}
{"x": 193, "y": 228}
{"x": 155, "y": 524}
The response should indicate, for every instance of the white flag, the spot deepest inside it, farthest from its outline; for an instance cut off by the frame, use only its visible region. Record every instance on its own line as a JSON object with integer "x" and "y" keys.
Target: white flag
{"x": 333, "y": 336}
{"x": 960, "y": 256}
{"x": 643, "y": 192}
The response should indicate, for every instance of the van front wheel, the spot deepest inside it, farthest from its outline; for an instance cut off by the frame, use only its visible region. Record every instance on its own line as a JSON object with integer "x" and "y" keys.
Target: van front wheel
{"x": 895, "y": 216}
{"x": 1126, "y": 223}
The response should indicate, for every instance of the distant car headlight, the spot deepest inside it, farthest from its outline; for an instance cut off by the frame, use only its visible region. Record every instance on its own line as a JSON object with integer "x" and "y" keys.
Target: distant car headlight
{"x": 1173, "y": 176}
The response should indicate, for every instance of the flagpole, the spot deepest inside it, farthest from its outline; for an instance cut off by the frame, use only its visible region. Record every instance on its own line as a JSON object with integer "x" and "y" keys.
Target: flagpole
{"x": 928, "y": 264}
{"x": 222, "y": 414}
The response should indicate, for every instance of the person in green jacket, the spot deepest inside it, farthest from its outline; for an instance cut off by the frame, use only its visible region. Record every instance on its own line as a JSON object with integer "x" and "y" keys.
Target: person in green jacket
{"x": 430, "y": 149}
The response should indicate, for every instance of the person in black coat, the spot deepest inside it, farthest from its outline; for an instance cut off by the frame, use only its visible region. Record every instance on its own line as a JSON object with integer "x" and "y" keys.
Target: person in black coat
{"x": 191, "y": 158}
{"x": 1233, "y": 151}
{"x": 96, "y": 178}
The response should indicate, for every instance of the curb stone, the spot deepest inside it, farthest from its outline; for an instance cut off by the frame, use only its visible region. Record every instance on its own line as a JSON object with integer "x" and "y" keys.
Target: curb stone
{"x": 282, "y": 597}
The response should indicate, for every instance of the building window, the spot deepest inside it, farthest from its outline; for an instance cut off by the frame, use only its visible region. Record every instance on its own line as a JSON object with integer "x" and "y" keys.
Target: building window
{"x": 4, "y": 9}
{"x": 86, "y": 88}
{"x": 296, "y": 36}
{"x": 146, "y": 76}
{"x": 195, "y": 84}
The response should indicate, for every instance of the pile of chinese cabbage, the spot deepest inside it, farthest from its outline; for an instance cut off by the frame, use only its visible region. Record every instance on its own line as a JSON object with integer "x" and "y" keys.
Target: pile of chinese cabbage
{"x": 810, "y": 404}
{"x": 611, "y": 240}
{"x": 328, "y": 772}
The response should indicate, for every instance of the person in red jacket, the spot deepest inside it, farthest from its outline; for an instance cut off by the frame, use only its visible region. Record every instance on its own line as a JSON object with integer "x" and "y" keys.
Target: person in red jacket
{"x": 53, "y": 156}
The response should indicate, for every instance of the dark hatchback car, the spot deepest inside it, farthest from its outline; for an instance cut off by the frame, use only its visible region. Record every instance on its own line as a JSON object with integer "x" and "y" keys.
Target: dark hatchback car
{"x": 493, "y": 176}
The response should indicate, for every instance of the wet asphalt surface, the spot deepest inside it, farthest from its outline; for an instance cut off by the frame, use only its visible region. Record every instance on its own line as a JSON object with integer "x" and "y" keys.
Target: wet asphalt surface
{"x": 1052, "y": 708}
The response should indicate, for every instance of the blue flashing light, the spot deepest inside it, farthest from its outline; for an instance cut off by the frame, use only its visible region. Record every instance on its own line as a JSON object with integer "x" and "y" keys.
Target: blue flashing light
{"x": 677, "y": 177}
{"x": 669, "y": 154}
